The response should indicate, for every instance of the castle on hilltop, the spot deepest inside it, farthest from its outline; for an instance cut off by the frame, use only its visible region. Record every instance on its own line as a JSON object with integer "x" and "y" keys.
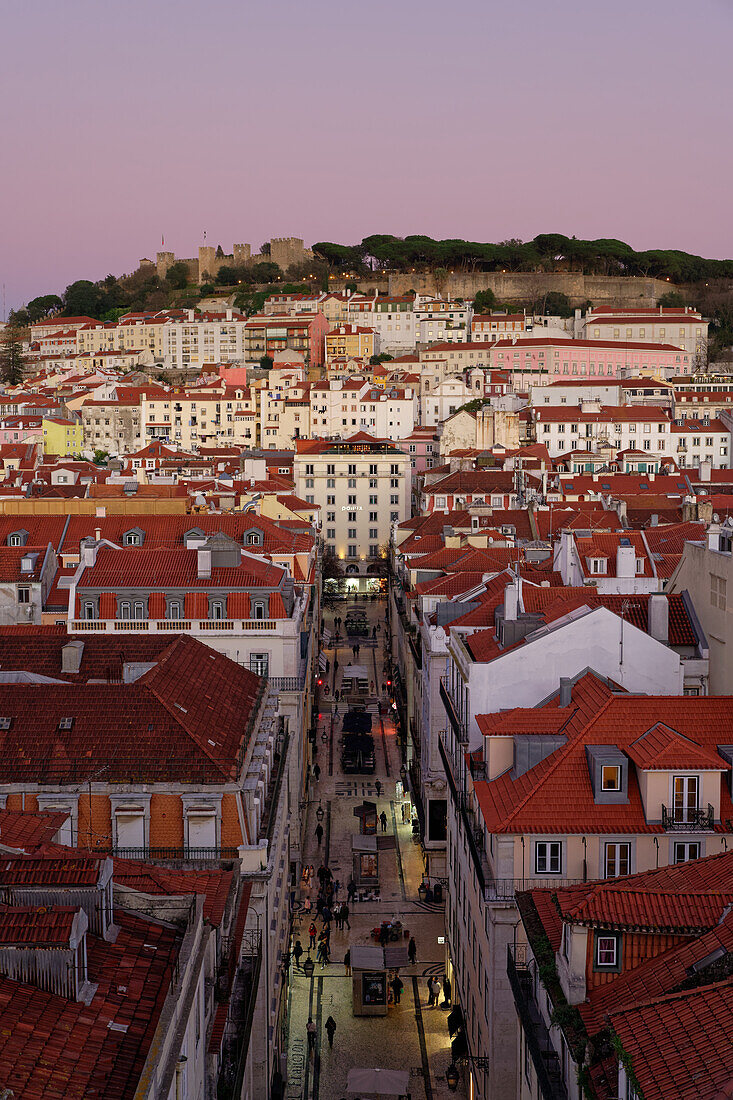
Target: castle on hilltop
{"x": 283, "y": 251}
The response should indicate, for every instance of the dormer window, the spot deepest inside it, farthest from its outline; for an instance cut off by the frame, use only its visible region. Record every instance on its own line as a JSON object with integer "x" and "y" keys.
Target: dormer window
{"x": 598, "y": 565}
{"x": 254, "y": 538}
{"x": 607, "y": 953}
{"x": 131, "y": 539}
{"x": 258, "y": 610}
{"x": 611, "y": 777}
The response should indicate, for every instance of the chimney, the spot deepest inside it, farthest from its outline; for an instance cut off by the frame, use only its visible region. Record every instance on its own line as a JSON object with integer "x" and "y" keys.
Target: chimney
{"x": 512, "y": 599}
{"x": 89, "y": 550}
{"x": 626, "y": 562}
{"x": 566, "y": 691}
{"x": 654, "y": 522}
{"x": 658, "y": 625}
{"x": 71, "y": 655}
{"x": 714, "y": 536}
{"x": 100, "y": 512}
{"x": 204, "y": 563}
{"x": 97, "y": 533}
{"x": 230, "y": 315}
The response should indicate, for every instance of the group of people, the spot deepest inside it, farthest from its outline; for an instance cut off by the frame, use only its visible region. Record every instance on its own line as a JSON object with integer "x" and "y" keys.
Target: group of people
{"x": 434, "y": 987}
{"x": 311, "y": 1031}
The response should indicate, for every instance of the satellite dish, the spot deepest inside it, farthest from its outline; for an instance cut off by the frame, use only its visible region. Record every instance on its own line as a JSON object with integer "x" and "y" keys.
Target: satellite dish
{"x": 716, "y": 517}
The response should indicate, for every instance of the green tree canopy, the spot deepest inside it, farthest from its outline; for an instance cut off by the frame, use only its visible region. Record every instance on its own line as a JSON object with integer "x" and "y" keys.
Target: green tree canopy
{"x": 177, "y": 275}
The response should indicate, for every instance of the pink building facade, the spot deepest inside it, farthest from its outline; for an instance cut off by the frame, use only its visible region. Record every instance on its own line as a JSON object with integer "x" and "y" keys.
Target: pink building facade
{"x": 543, "y": 360}
{"x": 21, "y": 429}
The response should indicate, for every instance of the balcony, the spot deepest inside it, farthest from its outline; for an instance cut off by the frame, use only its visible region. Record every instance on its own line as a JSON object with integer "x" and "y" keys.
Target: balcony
{"x": 692, "y": 820}
{"x": 175, "y": 853}
{"x": 178, "y": 626}
{"x": 450, "y": 709}
{"x": 522, "y": 979}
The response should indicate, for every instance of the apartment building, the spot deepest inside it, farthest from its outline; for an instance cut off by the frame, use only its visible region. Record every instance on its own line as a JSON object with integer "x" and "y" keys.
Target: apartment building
{"x": 626, "y": 959}
{"x": 362, "y": 485}
{"x": 292, "y": 303}
{"x": 591, "y": 783}
{"x": 496, "y": 326}
{"x": 167, "y": 776}
{"x": 563, "y": 428}
{"x": 439, "y": 321}
{"x": 301, "y": 332}
{"x": 342, "y": 408}
{"x": 683, "y": 327}
{"x": 533, "y": 361}
{"x": 393, "y": 318}
{"x": 178, "y": 339}
{"x": 352, "y": 341}
{"x": 457, "y": 357}
{"x": 701, "y": 439}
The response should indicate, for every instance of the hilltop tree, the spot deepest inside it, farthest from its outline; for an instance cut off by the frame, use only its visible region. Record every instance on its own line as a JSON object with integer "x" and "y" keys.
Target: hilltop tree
{"x": 12, "y": 357}
{"x": 41, "y": 307}
{"x": 177, "y": 275}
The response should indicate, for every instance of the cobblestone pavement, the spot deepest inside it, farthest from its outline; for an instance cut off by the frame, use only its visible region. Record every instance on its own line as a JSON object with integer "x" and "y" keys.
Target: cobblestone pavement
{"x": 412, "y": 1036}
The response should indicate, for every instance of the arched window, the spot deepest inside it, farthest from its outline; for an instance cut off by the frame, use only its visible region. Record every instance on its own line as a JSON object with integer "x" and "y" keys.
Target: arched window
{"x": 132, "y": 539}
{"x": 15, "y": 540}
{"x": 139, "y": 610}
{"x": 89, "y": 611}
{"x": 125, "y": 609}
{"x": 217, "y": 609}
{"x": 254, "y": 539}
{"x": 258, "y": 610}
{"x": 174, "y": 610}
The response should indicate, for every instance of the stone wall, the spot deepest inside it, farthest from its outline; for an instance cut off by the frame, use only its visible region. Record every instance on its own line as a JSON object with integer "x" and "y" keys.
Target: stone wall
{"x": 525, "y": 286}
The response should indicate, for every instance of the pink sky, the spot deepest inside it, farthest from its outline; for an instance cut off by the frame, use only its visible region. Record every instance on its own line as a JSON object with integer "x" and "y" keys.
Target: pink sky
{"x": 331, "y": 121}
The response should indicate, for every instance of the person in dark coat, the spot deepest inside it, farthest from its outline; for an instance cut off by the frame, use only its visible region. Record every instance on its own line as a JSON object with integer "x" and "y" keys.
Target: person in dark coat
{"x": 330, "y": 1026}
{"x": 431, "y": 993}
{"x": 319, "y": 833}
{"x": 317, "y": 771}
{"x": 446, "y": 990}
{"x": 378, "y": 787}
{"x": 344, "y": 916}
{"x": 383, "y": 819}
{"x": 351, "y": 891}
{"x": 397, "y": 986}
{"x": 412, "y": 950}
{"x": 347, "y": 963}
{"x": 297, "y": 954}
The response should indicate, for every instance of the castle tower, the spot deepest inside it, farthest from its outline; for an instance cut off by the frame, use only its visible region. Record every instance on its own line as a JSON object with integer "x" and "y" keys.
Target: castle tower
{"x": 242, "y": 254}
{"x": 208, "y": 263}
{"x": 164, "y": 260}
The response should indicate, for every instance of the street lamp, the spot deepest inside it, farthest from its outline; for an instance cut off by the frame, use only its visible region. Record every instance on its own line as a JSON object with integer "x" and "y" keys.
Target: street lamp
{"x": 309, "y": 966}
{"x": 451, "y": 1077}
{"x": 319, "y": 813}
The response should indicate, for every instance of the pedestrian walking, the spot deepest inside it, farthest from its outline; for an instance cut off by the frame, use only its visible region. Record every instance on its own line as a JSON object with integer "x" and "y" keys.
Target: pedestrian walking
{"x": 383, "y": 819}
{"x": 317, "y": 771}
{"x": 347, "y": 963}
{"x": 431, "y": 993}
{"x": 322, "y": 954}
{"x": 374, "y": 633}
{"x": 312, "y": 931}
{"x": 327, "y": 915}
{"x": 358, "y": 647}
{"x": 446, "y": 991}
{"x": 353, "y": 650}
{"x": 319, "y": 833}
{"x": 412, "y": 951}
{"x": 378, "y": 788}
{"x": 384, "y": 934}
{"x": 297, "y": 953}
{"x": 330, "y": 1026}
{"x": 344, "y": 914}
{"x": 397, "y": 986}
{"x": 351, "y": 891}
{"x": 310, "y": 1028}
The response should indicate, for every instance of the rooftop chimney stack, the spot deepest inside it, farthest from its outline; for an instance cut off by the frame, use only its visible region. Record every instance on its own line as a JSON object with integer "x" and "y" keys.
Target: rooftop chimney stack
{"x": 658, "y": 625}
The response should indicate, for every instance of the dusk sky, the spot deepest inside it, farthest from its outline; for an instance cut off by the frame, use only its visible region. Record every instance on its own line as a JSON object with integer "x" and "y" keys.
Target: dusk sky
{"x": 331, "y": 121}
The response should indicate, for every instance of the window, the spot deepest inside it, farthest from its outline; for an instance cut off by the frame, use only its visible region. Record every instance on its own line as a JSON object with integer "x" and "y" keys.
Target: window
{"x": 24, "y": 595}
{"x": 373, "y": 550}
{"x": 132, "y": 539}
{"x": 14, "y": 540}
{"x": 259, "y": 663}
{"x": 611, "y": 777}
{"x": 373, "y": 533}
{"x": 373, "y": 516}
{"x": 330, "y": 499}
{"x": 374, "y": 499}
{"x": 351, "y": 517}
{"x": 217, "y": 610}
{"x": 258, "y": 610}
{"x": 685, "y": 850}
{"x": 254, "y": 538}
{"x": 351, "y": 551}
{"x": 686, "y": 800}
{"x": 718, "y": 591}
{"x": 394, "y": 498}
{"x": 351, "y": 499}
{"x": 352, "y": 483}
{"x": 174, "y": 610}
{"x": 608, "y": 952}
{"x": 309, "y": 483}
{"x": 351, "y": 533}
{"x": 331, "y": 483}
{"x": 394, "y": 516}
{"x": 618, "y": 859}
{"x": 548, "y": 857}
{"x": 330, "y": 532}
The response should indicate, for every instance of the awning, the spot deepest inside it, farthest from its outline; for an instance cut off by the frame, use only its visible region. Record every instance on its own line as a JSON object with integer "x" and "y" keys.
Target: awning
{"x": 385, "y": 1082}
{"x": 455, "y": 1021}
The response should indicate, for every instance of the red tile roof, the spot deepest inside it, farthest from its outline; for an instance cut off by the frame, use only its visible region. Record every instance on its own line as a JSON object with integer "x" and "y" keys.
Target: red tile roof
{"x": 33, "y": 925}
{"x": 156, "y": 569}
{"x": 662, "y": 748}
{"x": 51, "y": 1046}
{"x": 680, "y": 1045}
{"x": 187, "y": 717}
{"x": 150, "y": 878}
{"x": 556, "y": 795}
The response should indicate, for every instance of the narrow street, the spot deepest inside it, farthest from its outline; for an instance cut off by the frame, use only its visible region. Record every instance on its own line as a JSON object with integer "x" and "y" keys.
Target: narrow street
{"x": 412, "y": 1036}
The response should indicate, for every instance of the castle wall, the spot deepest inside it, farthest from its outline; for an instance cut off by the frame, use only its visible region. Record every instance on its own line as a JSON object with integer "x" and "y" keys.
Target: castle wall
{"x": 528, "y": 285}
